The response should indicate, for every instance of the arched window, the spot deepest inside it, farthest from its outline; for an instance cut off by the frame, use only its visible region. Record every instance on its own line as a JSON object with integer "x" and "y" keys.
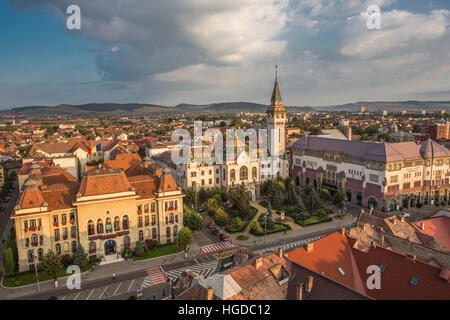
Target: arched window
{"x": 171, "y": 218}
{"x": 125, "y": 223}
{"x": 254, "y": 172}
{"x": 141, "y": 235}
{"x": 154, "y": 233}
{"x": 58, "y": 248}
{"x": 92, "y": 246}
{"x": 99, "y": 226}
{"x": 116, "y": 224}
{"x": 108, "y": 225}
{"x": 91, "y": 228}
{"x": 175, "y": 231}
{"x": 34, "y": 240}
{"x": 232, "y": 174}
{"x": 126, "y": 241}
{"x": 168, "y": 232}
{"x": 40, "y": 254}
{"x": 243, "y": 173}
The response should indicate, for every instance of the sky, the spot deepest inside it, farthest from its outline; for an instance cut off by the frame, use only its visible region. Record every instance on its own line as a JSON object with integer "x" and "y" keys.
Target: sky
{"x": 169, "y": 52}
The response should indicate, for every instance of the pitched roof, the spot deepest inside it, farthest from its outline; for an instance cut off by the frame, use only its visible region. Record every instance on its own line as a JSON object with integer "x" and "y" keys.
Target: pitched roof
{"x": 167, "y": 183}
{"x": 104, "y": 181}
{"x": 438, "y": 228}
{"x": 382, "y": 152}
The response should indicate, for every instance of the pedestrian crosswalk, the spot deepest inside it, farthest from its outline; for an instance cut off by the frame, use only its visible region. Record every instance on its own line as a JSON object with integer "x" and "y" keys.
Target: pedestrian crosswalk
{"x": 204, "y": 269}
{"x": 216, "y": 247}
{"x": 154, "y": 276}
{"x": 289, "y": 246}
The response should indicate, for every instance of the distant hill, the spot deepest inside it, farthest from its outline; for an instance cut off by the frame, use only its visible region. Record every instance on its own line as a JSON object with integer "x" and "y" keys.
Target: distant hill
{"x": 110, "y": 109}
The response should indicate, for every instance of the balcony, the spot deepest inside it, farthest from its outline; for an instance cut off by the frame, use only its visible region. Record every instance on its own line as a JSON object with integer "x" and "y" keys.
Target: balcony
{"x": 41, "y": 258}
{"x": 92, "y": 251}
{"x": 56, "y": 238}
{"x": 34, "y": 244}
{"x": 168, "y": 235}
{"x": 171, "y": 221}
{"x": 30, "y": 260}
{"x": 32, "y": 228}
{"x": 153, "y": 210}
{"x": 153, "y": 223}
{"x": 154, "y": 237}
{"x": 73, "y": 235}
{"x": 64, "y": 223}
{"x": 139, "y": 212}
{"x": 55, "y": 224}
{"x": 72, "y": 221}
{"x": 65, "y": 237}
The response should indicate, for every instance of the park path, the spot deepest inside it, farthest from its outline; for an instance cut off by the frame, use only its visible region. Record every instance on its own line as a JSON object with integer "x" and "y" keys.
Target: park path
{"x": 260, "y": 209}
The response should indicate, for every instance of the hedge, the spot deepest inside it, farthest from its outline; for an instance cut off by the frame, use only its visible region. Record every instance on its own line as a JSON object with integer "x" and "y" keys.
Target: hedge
{"x": 313, "y": 220}
{"x": 278, "y": 228}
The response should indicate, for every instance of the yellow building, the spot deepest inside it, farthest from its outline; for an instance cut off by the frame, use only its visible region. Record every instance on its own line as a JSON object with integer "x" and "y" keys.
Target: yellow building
{"x": 107, "y": 211}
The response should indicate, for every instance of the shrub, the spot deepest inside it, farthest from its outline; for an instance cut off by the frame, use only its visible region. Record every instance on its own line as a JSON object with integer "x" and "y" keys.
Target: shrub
{"x": 127, "y": 251}
{"x": 150, "y": 243}
{"x": 264, "y": 203}
{"x": 419, "y": 205}
{"x": 338, "y": 199}
{"x": 139, "y": 250}
{"x": 437, "y": 204}
{"x": 236, "y": 223}
{"x": 325, "y": 194}
{"x": 66, "y": 260}
{"x": 242, "y": 237}
{"x": 80, "y": 257}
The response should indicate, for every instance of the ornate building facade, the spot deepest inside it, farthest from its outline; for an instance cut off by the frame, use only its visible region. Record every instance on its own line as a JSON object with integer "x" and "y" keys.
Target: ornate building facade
{"x": 110, "y": 209}
{"x": 386, "y": 176}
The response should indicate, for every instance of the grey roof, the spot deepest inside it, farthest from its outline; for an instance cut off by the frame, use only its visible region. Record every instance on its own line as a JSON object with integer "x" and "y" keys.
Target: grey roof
{"x": 382, "y": 152}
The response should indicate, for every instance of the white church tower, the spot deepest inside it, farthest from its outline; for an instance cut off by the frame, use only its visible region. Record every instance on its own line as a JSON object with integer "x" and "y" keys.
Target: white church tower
{"x": 276, "y": 123}
{"x": 276, "y": 120}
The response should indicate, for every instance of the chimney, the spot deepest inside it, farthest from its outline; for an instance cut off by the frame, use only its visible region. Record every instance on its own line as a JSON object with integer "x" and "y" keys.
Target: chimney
{"x": 210, "y": 294}
{"x": 343, "y": 231}
{"x": 258, "y": 262}
{"x": 310, "y": 284}
{"x": 374, "y": 244}
{"x": 309, "y": 247}
{"x": 382, "y": 240}
{"x": 422, "y": 225}
{"x": 414, "y": 257}
{"x": 280, "y": 252}
{"x": 402, "y": 219}
{"x": 299, "y": 292}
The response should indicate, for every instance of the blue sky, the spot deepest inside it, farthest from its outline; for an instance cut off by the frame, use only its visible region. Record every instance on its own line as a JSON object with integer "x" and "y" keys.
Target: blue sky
{"x": 199, "y": 51}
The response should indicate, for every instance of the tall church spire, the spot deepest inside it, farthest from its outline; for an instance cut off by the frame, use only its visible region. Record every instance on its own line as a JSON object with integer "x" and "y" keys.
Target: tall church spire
{"x": 276, "y": 96}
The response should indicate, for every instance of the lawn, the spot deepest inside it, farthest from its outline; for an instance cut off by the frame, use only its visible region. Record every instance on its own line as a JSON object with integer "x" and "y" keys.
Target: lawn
{"x": 313, "y": 220}
{"x": 278, "y": 227}
{"x": 25, "y": 278}
{"x": 158, "y": 252}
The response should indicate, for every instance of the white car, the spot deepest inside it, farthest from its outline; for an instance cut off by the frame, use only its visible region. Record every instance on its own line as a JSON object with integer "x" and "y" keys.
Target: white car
{"x": 406, "y": 215}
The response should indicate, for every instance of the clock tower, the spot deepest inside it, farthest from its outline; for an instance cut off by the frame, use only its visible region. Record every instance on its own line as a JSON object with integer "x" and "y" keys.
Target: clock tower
{"x": 276, "y": 121}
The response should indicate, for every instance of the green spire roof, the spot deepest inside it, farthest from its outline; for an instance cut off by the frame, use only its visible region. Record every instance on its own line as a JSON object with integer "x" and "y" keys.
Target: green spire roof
{"x": 276, "y": 96}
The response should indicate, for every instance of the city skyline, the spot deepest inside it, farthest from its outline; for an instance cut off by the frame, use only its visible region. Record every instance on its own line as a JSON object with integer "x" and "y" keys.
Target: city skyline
{"x": 325, "y": 53}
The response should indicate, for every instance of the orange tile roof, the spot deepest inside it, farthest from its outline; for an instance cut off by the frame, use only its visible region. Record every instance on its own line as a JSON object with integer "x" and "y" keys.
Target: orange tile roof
{"x": 106, "y": 181}
{"x": 327, "y": 255}
{"x": 438, "y": 228}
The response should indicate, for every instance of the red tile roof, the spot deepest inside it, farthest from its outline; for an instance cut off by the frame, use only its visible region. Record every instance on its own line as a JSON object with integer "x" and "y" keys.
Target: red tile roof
{"x": 438, "y": 228}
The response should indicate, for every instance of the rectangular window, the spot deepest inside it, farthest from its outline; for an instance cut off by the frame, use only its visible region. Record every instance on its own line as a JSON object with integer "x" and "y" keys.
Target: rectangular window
{"x": 394, "y": 179}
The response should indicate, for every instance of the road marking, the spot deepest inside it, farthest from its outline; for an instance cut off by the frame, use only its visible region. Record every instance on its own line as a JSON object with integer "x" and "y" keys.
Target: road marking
{"x": 117, "y": 289}
{"x": 130, "y": 285}
{"x": 76, "y": 297}
{"x": 87, "y": 298}
{"x": 103, "y": 292}
{"x": 196, "y": 261}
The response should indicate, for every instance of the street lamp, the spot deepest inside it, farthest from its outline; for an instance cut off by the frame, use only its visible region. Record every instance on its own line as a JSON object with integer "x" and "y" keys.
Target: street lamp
{"x": 35, "y": 269}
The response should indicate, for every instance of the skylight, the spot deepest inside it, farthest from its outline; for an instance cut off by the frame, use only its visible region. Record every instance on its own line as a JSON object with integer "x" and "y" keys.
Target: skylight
{"x": 414, "y": 281}
{"x": 382, "y": 268}
{"x": 341, "y": 271}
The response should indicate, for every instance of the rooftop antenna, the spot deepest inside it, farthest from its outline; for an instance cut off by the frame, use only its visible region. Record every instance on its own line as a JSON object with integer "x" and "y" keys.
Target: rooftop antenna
{"x": 276, "y": 72}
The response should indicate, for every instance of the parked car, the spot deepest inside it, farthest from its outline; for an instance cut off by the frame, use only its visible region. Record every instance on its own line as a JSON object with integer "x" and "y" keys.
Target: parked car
{"x": 404, "y": 214}
{"x": 224, "y": 237}
{"x": 215, "y": 231}
{"x": 211, "y": 225}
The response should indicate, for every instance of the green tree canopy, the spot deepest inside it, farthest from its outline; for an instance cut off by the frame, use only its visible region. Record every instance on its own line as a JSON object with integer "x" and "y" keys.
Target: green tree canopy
{"x": 51, "y": 264}
{"x": 184, "y": 237}
{"x": 80, "y": 257}
{"x": 221, "y": 218}
{"x": 8, "y": 261}
{"x": 192, "y": 219}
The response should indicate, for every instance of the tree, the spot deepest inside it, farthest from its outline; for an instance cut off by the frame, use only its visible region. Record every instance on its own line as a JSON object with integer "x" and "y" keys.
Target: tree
{"x": 300, "y": 210}
{"x": 338, "y": 199}
{"x": 51, "y": 264}
{"x": 189, "y": 198}
{"x": 139, "y": 250}
{"x": 240, "y": 200}
{"x": 192, "y": 219}
{"x": 221, "y": 218}
{"x": 80, "y": 257}
{"x": 269, "y": 209}
{"x": 325, "y": 194}
{"x": 313, "y": 200}
{"x": 8, "y": 261}
{"x": 212, "y": 205}
{"x": 236, "y": 223}
{"x": 184, "y": 237}
{"x": 10, "y": 243}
